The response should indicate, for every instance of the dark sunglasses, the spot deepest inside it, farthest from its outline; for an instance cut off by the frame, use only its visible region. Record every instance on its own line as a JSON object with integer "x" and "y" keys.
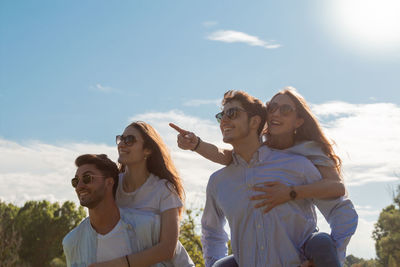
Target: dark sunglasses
{"x": 231, "y": 113}
{"x": 284, "y": 109}
{"x": 127, "y": 140}
{"x": 86, "y": 179}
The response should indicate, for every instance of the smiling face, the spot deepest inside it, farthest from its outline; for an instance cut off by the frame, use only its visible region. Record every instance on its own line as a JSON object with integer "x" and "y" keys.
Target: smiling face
{"x": 280, "y": 124}
{"x": 236, "y": 128}
{"x": 135, "y": 153}
{"x": 91, "y": 194}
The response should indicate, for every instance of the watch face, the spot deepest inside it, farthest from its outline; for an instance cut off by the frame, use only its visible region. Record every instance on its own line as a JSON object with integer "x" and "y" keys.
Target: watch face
{"x": 293, "y": 194}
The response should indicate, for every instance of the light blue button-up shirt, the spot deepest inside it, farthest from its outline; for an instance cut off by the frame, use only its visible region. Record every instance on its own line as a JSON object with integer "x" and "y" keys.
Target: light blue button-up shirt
{"x": 143, "y": 228}
{"x": 275, "y": 238}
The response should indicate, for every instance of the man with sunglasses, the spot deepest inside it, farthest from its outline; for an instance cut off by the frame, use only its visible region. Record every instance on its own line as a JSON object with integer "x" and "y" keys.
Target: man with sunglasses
{"x": 109, "y": 232}
{"x": 276, "y": 238}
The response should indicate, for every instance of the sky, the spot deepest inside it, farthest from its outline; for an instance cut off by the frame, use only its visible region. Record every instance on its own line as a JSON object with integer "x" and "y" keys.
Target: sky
{"x": 73, "y": 74}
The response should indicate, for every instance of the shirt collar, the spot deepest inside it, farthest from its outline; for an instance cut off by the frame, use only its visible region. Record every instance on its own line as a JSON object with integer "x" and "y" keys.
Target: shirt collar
{"x": 259, "y": 156}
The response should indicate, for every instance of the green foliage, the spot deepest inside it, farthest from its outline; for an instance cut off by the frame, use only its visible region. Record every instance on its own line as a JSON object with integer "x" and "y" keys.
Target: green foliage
{"x": 10, "y": 240}
{"x": 190, "y": 239}
{"x": 352, "y": 261}
{"x": 32, "y": 235}
{"x": 387, "y": 234}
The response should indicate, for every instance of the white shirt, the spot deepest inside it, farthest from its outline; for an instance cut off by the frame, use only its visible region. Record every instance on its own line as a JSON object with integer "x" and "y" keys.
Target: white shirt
{"x": 155, "y": 195}
{"x": 114, "y": 244}
{"x": 275, "y": 238}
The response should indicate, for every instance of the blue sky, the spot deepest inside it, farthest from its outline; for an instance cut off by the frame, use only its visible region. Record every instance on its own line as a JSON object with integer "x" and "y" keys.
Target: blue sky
{"x": 74, "y": 73}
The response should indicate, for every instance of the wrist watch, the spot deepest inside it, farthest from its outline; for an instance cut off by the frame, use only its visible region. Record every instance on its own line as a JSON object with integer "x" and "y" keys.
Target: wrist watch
{"x": 292, "y": 193}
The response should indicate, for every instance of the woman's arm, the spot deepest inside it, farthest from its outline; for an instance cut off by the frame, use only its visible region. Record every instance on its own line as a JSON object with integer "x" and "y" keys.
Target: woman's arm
{"x": 188, "y": 140}
{"x": 163, "y": 251}
{"x": 276, "y": 193}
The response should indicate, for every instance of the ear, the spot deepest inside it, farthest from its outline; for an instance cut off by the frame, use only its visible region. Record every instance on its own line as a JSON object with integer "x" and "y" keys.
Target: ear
{"x": 255, "y": 122}
{"x": 299, "y": 122}
{"x": 147, "y": 152}
{"x": 110, "y": 182}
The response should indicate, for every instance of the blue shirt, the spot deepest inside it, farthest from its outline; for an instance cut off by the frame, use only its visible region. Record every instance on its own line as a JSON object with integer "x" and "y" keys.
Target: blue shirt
{"x": 275, "y": 238}
{"x": 143, "y": 230}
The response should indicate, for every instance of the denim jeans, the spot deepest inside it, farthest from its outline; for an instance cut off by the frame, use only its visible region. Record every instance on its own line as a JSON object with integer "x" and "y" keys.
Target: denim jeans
{"x": 321, "y": 249}
{"x": 228, "y": 261}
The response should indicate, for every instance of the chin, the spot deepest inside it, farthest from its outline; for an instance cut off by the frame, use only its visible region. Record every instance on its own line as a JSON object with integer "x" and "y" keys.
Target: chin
{"x": 227, "y": 139}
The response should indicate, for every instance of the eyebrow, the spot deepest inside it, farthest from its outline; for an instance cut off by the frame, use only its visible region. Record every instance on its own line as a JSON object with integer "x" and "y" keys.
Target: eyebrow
{"x": 86, "y": 172}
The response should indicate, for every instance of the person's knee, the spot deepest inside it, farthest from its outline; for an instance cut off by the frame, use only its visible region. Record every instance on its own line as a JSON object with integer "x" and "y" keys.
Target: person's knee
{"x": 228, "y": 261}
{"x": 320, "y": 241}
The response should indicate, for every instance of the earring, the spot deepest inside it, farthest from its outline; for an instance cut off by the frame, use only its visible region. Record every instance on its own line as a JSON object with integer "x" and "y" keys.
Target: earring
{"x": 295, "y": 131}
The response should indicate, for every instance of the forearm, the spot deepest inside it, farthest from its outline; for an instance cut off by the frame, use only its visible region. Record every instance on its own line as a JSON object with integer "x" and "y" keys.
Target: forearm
{"x": 215, "y": 154}
{"x": 159, "y": 253}
{"x": 322, "y": 189}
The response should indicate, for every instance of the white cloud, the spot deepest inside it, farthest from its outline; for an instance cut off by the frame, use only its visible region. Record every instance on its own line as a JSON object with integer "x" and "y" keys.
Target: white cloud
{"x": 103, "y": 88}
{"x": 367, "y": 137}
{"x": 200, "y": 102}
{"x": 240, "y": 37}
{"x": 361, "y": 244}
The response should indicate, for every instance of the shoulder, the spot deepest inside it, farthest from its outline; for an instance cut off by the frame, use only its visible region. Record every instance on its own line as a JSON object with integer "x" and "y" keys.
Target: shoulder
{"x": 75, "y": 234}
{"x": 220, "y": 176}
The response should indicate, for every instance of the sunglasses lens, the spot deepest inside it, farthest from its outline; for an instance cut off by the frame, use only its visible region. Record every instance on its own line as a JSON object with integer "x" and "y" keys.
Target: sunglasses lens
{"x": 74, "y": 182}
{"x": 272, "y": 107}
{"x": 129, "y": 140}
{"x": 285, "y": 109}
{"x": 231, "y": 113}
{"x": 86, "y": 178}
{"x": 219, "y": 116}
{"x": 118, "y": 139}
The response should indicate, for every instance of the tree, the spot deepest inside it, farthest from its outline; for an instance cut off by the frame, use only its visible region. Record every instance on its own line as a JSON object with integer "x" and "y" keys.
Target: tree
{"x": 190, "y": 239}
{"x": 387, "y": 234}
{"x": 10, "y": 240}
{"x": 42, "y": 226}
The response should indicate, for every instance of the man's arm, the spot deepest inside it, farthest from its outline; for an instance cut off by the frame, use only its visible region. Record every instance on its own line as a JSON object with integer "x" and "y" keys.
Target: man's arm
{"x": 214, "y": 238}
{"x": 338, "y": 212}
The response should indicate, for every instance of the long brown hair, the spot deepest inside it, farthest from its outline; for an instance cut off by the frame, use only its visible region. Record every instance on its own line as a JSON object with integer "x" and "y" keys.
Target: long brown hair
{"x": 159, "y": 162}
{"x": 310, "y": 130}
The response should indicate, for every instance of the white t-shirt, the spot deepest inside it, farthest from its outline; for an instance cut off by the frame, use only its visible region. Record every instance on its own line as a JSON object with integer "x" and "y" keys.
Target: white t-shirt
{"x": 155, "y": 195}
{"x": 113, "y": 244}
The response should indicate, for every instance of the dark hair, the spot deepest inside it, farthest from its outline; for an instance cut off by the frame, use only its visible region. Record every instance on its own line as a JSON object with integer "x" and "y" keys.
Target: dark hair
{"x": 105, "y": 165}
{"x": 159, "y": 162}
{"x": 252, "y": 105}
{"x": 310, "y": 130}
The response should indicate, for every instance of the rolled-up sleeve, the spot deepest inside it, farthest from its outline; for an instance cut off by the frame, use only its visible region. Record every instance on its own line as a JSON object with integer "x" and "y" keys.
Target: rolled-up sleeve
{"x": 214, "y": 238}
{"x": 342, "y": 218}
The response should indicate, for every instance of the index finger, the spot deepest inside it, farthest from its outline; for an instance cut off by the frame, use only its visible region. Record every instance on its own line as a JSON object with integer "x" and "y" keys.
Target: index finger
{"x": 178, "y": 129}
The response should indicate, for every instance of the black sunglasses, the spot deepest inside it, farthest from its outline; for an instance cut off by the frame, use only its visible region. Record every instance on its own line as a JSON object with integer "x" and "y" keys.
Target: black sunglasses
{"x": 127, "y": 140}
{"x": 284, "y": 109}
{"x": 231, "y": 113}
{"x": 86, "y": 179}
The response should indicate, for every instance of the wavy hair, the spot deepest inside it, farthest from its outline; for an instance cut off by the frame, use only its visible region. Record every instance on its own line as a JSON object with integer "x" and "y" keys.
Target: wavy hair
{"x": 159, "y": 162}
{"x": 310, "y": 130}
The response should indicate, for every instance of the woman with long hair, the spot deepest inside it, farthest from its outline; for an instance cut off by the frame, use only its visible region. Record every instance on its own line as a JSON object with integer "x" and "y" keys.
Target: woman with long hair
{"x": 149, "y": 181}
{"x": 290, "y": 127}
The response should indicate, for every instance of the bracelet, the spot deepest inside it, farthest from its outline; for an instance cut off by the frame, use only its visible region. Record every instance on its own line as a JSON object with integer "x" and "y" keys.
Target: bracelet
{"x": 127, "y": 260}
{"x": 197, "y": 145}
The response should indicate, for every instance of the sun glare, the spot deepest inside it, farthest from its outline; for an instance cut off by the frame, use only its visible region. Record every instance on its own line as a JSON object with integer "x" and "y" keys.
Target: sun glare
{"x": 366, "y": 24}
